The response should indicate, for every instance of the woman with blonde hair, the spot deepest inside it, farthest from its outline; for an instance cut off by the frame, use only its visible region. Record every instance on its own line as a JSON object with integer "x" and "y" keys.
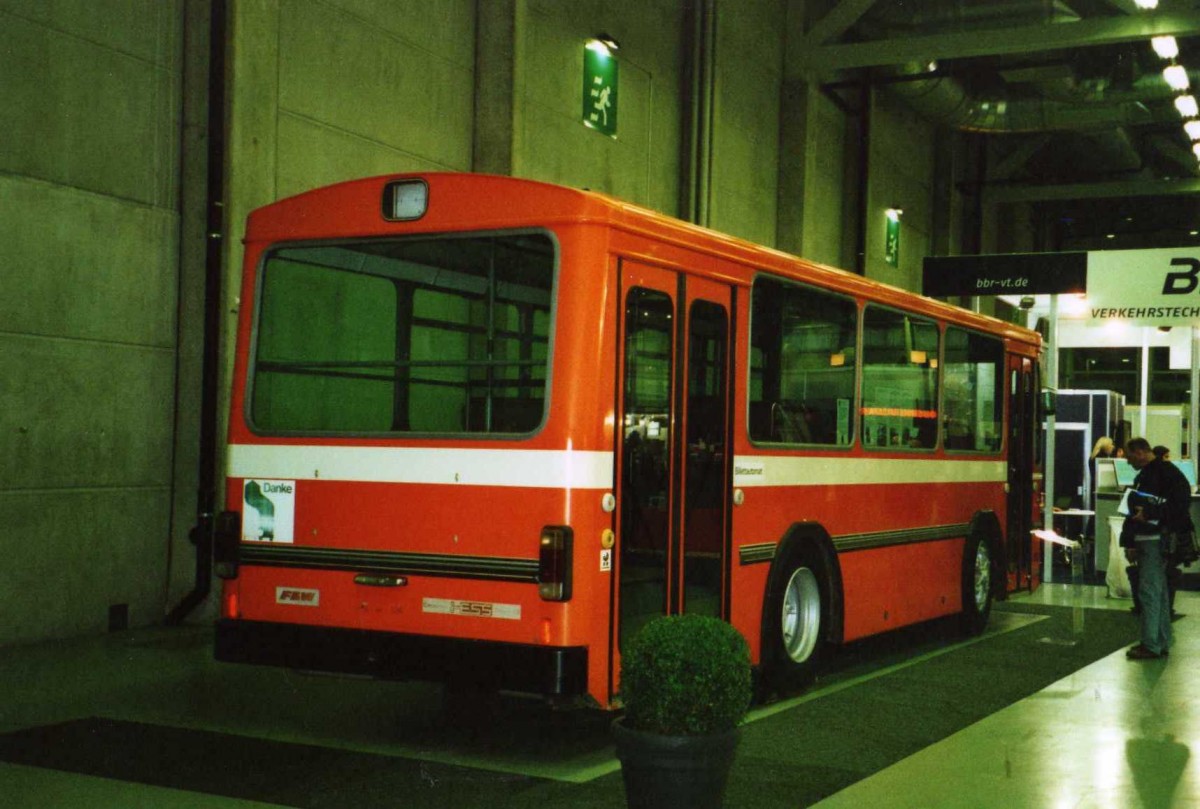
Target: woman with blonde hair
{"x": 1104, "y": 448}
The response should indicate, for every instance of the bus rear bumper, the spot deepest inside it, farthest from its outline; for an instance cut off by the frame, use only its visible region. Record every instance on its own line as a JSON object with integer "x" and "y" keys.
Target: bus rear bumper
{"x": 552, "y": 671}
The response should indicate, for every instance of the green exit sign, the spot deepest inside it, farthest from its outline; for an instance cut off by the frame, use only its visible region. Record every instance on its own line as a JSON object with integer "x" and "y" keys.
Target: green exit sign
{"x": 891, "y": 239}
{"x": 600, "y": 89}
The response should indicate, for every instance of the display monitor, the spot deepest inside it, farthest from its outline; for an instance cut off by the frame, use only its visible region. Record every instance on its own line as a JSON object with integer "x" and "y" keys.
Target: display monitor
{"x": 1125, "y": 472}
{"x": 1188, "y": 467}
{"x": 1106, "y": 475}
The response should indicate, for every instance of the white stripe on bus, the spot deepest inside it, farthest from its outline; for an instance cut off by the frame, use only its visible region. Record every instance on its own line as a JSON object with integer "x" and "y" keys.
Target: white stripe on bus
{"x": 791, "y": 470}
{"x": 574, "y": 469}
{"x": 530, "y": 468}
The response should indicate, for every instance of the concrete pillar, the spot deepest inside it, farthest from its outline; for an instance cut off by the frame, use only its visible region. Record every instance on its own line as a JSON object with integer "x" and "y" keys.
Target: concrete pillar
{"x": 498, "y": 26}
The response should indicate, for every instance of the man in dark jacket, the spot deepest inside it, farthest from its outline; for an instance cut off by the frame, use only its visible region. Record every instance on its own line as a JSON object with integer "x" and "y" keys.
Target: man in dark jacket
{"x": 1157, "y": 508}
{"x": 1174, "y": 574}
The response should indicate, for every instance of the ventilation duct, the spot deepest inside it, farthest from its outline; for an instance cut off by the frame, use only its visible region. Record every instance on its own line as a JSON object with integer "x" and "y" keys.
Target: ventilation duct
{"x": 944, "y": 100}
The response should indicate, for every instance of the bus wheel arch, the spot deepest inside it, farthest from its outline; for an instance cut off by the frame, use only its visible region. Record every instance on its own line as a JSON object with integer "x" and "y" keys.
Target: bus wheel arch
{"x": 802, "y": 609}
{"x": 981, "y": 571}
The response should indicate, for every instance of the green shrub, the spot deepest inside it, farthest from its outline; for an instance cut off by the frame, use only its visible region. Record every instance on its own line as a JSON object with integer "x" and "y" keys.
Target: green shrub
{"x": 685, "y": 675}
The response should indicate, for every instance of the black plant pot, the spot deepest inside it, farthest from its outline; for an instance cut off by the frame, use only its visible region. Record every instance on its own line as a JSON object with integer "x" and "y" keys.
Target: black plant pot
{"x": 674, "y": 772}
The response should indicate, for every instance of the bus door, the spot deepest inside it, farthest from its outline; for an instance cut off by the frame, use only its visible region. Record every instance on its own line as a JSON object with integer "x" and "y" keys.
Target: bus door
{"x": 1021, "y": 431}
{"x": 673, "y": 401}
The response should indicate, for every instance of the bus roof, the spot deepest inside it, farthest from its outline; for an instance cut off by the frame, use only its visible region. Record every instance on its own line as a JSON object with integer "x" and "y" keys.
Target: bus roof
{"x": 495, "y": 202}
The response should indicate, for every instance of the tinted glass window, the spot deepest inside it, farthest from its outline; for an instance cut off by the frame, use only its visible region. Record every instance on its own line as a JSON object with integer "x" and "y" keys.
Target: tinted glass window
{"x": 899, "y": 401}
{"x": 431, "y": 335}
{"x": 972, "y": 405}
{"x": 802, "y": 344}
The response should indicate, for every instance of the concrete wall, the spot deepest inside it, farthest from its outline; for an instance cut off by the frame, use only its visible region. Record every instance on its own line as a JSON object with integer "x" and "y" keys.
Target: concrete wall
{"x": 89, "y": 168}
{"x": 102, "y": 178}
{"x": 749, "y": 79}
{"x": 641, "y": 163}
{"x": 900, "y": 169}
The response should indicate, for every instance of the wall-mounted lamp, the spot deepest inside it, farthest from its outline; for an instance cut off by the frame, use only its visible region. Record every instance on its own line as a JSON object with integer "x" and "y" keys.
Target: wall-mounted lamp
{"x": 604, "y": 43}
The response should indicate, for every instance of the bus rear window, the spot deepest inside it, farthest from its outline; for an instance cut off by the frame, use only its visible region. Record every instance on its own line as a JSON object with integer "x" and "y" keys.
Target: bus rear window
{"x": 444, "y": 335}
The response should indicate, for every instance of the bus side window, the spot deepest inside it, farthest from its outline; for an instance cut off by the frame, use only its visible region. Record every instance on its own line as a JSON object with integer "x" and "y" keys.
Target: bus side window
{"x": 802, "y": 362}
{"x": 900, "y": 380}
{"x": 973, "y": 379}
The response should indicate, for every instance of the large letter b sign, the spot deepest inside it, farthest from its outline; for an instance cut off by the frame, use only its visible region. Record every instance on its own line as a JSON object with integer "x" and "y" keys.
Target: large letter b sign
{"x": 1185, "y": 281}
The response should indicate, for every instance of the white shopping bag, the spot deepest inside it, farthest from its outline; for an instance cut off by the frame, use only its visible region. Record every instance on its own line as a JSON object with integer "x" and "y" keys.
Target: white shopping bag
{"x": 1116, "y": 578}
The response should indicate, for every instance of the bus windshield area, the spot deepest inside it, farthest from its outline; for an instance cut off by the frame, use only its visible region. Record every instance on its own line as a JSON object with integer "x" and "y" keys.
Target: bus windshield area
{"x": 434, "y": 335}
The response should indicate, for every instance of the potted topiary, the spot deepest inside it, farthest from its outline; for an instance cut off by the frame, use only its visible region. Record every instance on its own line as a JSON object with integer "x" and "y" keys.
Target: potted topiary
{"x": 685, "y": 685}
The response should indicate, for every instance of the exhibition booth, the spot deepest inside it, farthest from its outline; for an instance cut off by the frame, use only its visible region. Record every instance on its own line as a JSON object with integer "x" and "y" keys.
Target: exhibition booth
{"x": 1126, "y": 300}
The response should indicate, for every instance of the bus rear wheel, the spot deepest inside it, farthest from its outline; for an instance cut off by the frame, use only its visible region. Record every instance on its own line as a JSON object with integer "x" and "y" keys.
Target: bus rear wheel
{"x": 794, "y": 623}
{"x": 977, "y": 584}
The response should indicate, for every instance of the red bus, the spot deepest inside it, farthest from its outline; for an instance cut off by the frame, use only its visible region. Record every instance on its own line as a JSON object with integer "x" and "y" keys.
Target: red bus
{"x": 484, "y": 428}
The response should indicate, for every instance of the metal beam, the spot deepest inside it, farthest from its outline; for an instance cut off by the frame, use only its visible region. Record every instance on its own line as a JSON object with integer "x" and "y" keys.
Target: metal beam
{"x": 1125, "y": 6}
{"x": 836, "y": 21}
{"x": 1008, "y": 165}
{"x": 1018, "y": 40}
{"x": 1126, "y": 188}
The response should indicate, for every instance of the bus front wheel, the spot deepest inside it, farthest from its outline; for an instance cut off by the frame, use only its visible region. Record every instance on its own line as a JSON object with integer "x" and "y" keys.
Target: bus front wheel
{"x": 794, "y": 622}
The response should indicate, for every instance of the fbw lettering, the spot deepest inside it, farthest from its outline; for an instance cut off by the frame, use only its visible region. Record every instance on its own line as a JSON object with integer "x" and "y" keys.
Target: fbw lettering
{"x": 297, "y": 597}
{"x": 1182, "y": 282}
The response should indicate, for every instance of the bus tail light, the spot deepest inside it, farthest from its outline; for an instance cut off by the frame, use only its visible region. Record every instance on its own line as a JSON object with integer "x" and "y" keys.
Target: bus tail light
{"x": 231, "y": 605}
{"x": 554, "y": 563}
{"x": 225, "y": 547}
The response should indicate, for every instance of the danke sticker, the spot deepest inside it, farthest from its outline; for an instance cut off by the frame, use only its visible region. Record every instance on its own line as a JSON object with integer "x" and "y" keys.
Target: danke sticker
{"x": 268, "y": 510}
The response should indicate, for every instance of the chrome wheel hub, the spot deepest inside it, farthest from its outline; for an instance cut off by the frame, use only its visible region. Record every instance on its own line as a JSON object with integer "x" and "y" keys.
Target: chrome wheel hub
{"x": 801, "y": 622}
{"x": 983, "y": 575}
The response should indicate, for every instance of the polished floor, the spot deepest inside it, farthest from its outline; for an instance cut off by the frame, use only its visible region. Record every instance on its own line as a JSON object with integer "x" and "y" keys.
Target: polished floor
{"x": 1117, "y": 734}
{"x": 1114, "y": 734}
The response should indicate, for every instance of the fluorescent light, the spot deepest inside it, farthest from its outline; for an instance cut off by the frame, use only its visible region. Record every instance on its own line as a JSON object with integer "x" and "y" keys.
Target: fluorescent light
{"x": 1186, "y": 106}
{"x": 1166, "y": 47}
{"x": 1192, "y": 128}
{"x": 1146, "y": 5}
{"x": 1176, "y": 76}
{"x": 1072, "y": 305}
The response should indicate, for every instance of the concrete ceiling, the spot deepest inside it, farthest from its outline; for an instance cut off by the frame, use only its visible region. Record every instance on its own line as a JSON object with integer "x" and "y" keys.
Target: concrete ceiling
{"x": 1068, "y": 96}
